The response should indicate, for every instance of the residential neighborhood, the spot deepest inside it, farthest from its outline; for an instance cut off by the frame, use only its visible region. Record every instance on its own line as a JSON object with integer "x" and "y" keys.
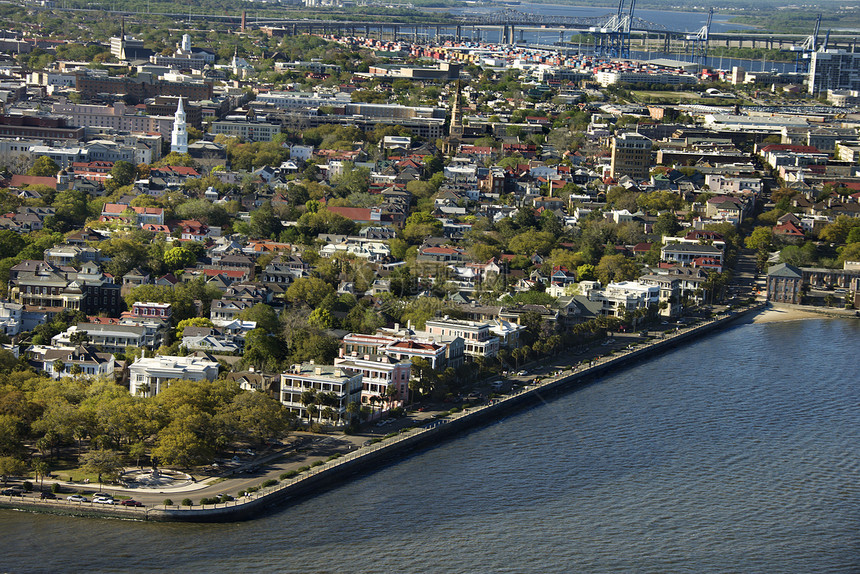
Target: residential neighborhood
{"x": 346, "y": 227}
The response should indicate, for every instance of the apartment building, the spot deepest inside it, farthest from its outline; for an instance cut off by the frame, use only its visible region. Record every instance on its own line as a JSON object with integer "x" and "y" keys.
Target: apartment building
{"x": 379, "y": 374}
{"x": 479, "y": 342}
{"x": 339, "y": 387}
{"x": 631, "y": 156}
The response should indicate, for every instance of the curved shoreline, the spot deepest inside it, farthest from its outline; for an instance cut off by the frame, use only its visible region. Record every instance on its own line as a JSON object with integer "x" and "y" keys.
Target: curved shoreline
{"x": 376, "y": 455}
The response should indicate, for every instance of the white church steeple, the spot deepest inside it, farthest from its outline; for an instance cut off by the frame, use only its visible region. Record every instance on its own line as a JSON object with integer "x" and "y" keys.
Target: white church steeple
{"x": 179, "y": 137}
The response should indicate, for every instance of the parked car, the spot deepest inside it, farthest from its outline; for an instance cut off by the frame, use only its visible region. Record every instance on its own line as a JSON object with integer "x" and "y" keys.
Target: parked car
{"x": 132, "y": 502}
{"x": 103, "y": 500}
{"x": 77, "y": 498}
{"x": 12, "y": 492}
{"x": 48, "y": 496}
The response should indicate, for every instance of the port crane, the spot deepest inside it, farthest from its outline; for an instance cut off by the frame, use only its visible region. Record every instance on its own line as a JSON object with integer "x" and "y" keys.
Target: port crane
{"x": 612, "y": 38}
{"x": 810, "y": 45}
{"x": 699, "y": 41}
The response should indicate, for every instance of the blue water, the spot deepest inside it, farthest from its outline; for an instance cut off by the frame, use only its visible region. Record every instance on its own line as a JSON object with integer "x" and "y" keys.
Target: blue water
{"x": 738, "y": 453}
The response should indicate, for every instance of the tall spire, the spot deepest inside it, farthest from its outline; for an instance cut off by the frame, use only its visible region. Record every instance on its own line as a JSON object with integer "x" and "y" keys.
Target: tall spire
{"x": 456, "y": 127}
{"x": 179, "y": 137}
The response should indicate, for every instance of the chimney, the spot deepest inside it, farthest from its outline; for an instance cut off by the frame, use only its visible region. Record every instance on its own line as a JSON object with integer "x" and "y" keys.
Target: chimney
{"x": 318, "y": 370}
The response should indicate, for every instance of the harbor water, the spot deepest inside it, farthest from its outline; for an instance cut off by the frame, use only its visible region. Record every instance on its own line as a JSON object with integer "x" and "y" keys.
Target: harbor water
{"x": 737, "y": 453}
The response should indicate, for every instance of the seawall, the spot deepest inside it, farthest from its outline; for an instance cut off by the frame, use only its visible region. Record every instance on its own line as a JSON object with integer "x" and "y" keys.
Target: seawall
{"x": 374, "y": 456}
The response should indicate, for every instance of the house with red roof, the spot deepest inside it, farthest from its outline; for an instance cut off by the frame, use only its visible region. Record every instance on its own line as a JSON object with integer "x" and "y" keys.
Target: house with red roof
{"x": 788, "y": 231}
{"x": 19, "y": 181}
{"x": 193, "y": 230}
{"x": 154, "y": 215}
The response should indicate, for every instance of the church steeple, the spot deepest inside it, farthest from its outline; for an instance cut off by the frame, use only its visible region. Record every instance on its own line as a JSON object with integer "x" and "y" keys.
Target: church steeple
{"x": 179, "y": 137}
{"x": 456, "y": 128}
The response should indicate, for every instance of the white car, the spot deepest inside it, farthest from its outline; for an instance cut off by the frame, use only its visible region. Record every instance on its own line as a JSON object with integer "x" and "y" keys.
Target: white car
{"x": 77, "y": 498}
{"x": 103, "y": 500}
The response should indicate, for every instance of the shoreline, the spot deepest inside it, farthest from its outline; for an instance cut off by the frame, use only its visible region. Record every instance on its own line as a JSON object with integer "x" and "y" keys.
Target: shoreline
{"x": 783, "y": 312}
{"x": 375, "y": 456}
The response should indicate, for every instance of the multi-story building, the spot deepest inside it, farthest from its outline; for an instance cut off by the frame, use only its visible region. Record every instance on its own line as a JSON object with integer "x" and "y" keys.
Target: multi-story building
{"x": 222, "y": 310}
{"x": 42, "y": 285}
{"x": 379, "y": 374}
{"x": 404, "y": 344}
{"x": 338, "y": 387}
{"x": 252, "y": 131}
{"x": 113, "y": 338}
{"x": 80, "y": 361}
{"x": 119, "y": 117}
{"x": 44, "y": 127}
{"x": 833, "y": 69}
{"x": 686, "y": 253}
{"x": 90, "y": 84}
{"x": 479, "y": 341}
{"x": 150, "y": 310}
{"x": 11, "y": 318}
{"x": 620, "y": 298}
{"x": 167, "y": 105}
{"x": 149, "y": 376}
{"x": 631, "y": 156}
{"x": 303, "y": 100}
{"x": 784, "y": 284}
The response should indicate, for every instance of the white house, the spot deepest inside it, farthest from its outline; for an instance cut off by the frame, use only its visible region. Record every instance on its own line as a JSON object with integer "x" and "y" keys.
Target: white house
{"x": 149, "y": 376}
{"x": 326, "y": 380}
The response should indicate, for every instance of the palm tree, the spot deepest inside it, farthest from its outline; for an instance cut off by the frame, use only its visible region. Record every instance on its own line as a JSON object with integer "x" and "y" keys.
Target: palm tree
{"x": 308, "y": 399}
{"x": 390, "y": 393}
{"x": 312, "y": 412}
{"x": 41, "y": 470}
{"x": 353, "y": 409}
{"x": 328, "y": 413}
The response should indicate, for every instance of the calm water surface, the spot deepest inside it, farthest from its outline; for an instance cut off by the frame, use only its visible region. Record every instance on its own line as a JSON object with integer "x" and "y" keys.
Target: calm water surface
{"x": 736, "y": 454}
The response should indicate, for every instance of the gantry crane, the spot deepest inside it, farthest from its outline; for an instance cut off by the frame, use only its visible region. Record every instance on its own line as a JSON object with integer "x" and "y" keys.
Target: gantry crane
{"x": 699, "y": 41}
{"x": 613, "y": 37}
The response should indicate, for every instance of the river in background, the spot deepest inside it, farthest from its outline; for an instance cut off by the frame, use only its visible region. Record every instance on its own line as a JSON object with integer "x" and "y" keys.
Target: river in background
{"x": 672, "y": 20}
{"x": 739, "y": 453}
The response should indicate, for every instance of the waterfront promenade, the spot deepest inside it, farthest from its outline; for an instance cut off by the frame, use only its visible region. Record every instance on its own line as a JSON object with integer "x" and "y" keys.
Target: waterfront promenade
{"x": 565, "y": 374}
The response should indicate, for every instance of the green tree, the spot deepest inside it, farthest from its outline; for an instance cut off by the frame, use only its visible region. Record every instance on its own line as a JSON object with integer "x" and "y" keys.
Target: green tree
{"x": 44, "y": 167}
{"x": 192, "y": 322}
{"x": 256, "y": 416}
{"x": 837, "y": 232}
{"x": 105, "y": 463}
{"x": 262, "y": 348}
{"x": 531, "y": 242}
{"x": 667, "y": 224}
{"x": 263, "y": 315}
{"x": 179, "y": 258}
{"x": 585, "y": 272}
{"x": 122, "y": 173}
{"x": 615, "y": 268}
{"x": 176, "y": 446}
{"x": 309, "y": 291}
{"x": 11, "y": 466}
{"x": 264, "y": 222}
{"x": 761, "y": 239}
